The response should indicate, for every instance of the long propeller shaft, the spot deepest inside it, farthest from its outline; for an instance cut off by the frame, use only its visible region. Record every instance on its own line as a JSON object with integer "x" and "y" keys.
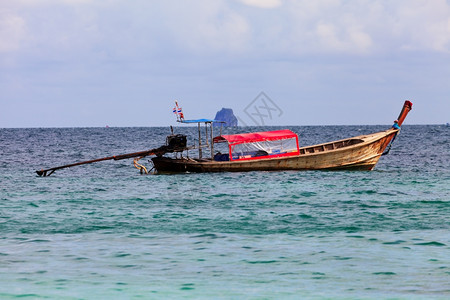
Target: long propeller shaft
{"x": 48, "y": 172}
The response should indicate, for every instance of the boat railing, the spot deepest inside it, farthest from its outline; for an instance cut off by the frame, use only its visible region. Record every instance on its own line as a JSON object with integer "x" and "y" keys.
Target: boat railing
{"x": 330, "y": 146}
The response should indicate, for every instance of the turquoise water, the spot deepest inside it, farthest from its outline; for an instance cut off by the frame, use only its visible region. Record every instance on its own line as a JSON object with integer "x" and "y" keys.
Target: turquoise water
{"x": 103, "y": 231}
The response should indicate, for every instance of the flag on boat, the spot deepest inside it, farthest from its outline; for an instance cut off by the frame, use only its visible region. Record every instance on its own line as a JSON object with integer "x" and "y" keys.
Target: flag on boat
{"x": 178, "y": 111}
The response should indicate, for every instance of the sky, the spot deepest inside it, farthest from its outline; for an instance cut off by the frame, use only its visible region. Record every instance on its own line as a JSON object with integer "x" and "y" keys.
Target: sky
{"x": 97, "y": 63}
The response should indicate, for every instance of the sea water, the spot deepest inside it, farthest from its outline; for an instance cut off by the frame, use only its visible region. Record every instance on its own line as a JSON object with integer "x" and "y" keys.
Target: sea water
{"x": 104, "y": 231}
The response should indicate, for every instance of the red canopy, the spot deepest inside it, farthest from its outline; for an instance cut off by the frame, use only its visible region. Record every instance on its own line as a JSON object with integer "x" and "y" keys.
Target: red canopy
{"x": 256, "y": 136}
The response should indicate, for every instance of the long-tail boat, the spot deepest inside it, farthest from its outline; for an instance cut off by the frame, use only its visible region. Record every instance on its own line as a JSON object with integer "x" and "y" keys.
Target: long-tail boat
{"x": 261, "y": 151}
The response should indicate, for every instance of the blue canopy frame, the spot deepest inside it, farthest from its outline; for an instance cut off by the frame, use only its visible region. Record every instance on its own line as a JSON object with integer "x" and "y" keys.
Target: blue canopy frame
{"x": 206, "y": 121}
{"x": 201, "y": 121}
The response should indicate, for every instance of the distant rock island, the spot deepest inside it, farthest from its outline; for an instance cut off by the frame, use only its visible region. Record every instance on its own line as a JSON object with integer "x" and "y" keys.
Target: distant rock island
{"x": 226, "y": 115}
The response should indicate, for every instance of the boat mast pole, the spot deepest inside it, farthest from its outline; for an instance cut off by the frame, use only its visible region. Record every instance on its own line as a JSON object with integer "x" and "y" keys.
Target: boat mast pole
{"x": 206, "y": 133}
{"x": 199, "y": 142}
{"x": 212, "y": 141}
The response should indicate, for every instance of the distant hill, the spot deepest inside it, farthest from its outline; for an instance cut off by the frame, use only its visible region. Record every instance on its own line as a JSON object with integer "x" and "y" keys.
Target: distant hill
{"x": 226, "y": 115}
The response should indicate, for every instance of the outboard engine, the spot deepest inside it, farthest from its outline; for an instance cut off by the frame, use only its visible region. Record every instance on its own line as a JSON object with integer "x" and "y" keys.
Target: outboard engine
{"x": 176, "y": 142}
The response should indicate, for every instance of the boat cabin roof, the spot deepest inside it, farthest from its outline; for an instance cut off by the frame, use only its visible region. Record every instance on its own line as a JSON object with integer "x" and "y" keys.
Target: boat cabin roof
{"x": 202, "y": 121}
{"x": 256, "y": 137}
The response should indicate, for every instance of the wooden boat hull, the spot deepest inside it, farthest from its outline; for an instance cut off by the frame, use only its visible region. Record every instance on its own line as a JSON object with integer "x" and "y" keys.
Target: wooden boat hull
{"x": 356, "y": 153}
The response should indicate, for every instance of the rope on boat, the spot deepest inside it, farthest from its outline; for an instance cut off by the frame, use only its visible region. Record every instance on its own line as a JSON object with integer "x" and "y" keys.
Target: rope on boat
{"x": 386, "y": 152}
{"x": 138, "y": 166}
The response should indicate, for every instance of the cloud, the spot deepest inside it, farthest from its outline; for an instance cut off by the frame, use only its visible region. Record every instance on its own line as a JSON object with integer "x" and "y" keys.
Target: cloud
{"x": 12, "y": 32}
{"x": 118, "y": 50}
{"x": 262, "y": 3}
{"x": 210, "y": 26}
{"x": 295, "y": 28}
{"x": 425, "y": 25}
{"x": 368, "y": 27}
{"x": 343, "y": 38}
{"x": 50, "y": 2}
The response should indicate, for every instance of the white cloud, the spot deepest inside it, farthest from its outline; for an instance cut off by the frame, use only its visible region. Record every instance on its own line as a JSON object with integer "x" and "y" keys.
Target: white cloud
{"x": 218, "y": 26}
{"x": 366, "y": 27}
{"x": 349, "y": 41}
{"x": 50, "y": 2}
{"x": 209, "y": 27}
{"x": 328, "y": 36}
{"x": 12, "y": 32}
{"x": 122, "y": 50}
{"x": 422, "y": 25}
{"x": 361, "y": 40}
{"x": 262, "y": 3}
{"x": 231, "y": 33}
